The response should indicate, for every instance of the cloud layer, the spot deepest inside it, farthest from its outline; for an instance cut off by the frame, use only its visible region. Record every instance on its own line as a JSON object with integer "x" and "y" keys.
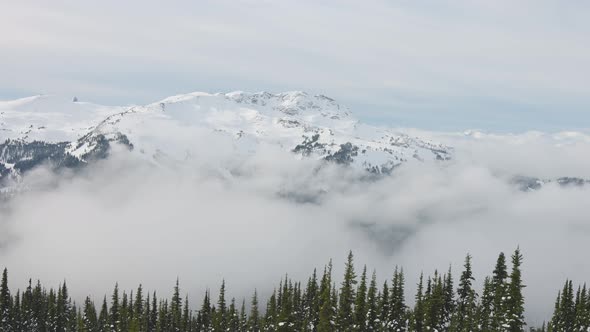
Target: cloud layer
{"x": 250, "y": 220}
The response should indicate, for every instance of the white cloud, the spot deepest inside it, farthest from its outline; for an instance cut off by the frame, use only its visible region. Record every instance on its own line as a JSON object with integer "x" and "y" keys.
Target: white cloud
{"x": 128, "y": 222}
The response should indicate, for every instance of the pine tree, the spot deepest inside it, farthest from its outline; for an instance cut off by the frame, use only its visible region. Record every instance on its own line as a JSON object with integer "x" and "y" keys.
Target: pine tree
{"x": 465, "y": 316}
{"x": 138, "y": 310}
{"x": 104, "y": 322}
{"x": 5, "y": 304}
{"x": 221, "y": 312}
{"x": 515, "y": 299}
{"x": 397, "y": 316}
{"x": 448, "y": 300}
{"x": 186, "y": 316}
{"x": 176, "y": 309}
{"x": 153, "y": 320}
{"x": 372, "y": 305}
{"x": 205, "y": 315}
{"x": 90, "y": 318}
{"x": 327, "y": 309}
{"x": 115, "y": 314}
{"x": 499, "y": 288}
{"x": 345, "y": 309}
{"x": 29, "y": 315}
{"x": 486, "y": 306}
{"x": 384, "y": 307}
{"x": 360, "y": 307}
{"x": 419, "y": 307}
{"x": 51, "y": 318}
{"x": 233, "y": 323}
{"x": 270, "y": 319}
{"x": 124, "y": 313}
{"x": 16, "y": 313}
{"x": 254, "y": 320}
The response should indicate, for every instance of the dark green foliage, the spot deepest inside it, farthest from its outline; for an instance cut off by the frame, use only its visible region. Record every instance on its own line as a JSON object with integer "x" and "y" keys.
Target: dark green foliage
{"x": 515, "y": 299}
{"x": 464, "y": 319}
{"x": 319, "y": 306}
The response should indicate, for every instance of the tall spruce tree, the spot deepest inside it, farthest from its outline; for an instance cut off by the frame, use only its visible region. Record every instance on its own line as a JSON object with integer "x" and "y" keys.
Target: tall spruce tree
{"x": 360, "y": 307}
{"x": 254, "y": 319}
{"x": 345, "y": 309}
{"x": 515, "y": 299}
{"x": 398, "y": 313}
{"x": 499, "y": 288}
{"x": 5, "y": 304}
{"x": 464, "y": 319}
{"x": 373, "y": 305}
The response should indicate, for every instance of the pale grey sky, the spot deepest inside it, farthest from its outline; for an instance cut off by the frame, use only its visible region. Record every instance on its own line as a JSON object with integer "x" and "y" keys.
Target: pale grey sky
{"x": 497, "y": 65}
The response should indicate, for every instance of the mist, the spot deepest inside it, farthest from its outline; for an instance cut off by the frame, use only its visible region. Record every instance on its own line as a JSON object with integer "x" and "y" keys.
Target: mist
{"x": 251, "y": 219}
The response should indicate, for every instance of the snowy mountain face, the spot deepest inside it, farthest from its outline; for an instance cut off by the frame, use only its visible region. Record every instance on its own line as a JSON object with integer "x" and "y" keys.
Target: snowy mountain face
{"x": 64, "y": 133}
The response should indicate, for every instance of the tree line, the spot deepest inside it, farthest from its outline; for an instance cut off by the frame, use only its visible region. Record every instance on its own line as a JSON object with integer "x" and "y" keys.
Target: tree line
{"x": 356, "y": 304}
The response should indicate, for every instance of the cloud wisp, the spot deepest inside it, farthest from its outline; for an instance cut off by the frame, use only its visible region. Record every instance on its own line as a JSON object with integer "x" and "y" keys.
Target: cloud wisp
{"x": 252, "y": 220}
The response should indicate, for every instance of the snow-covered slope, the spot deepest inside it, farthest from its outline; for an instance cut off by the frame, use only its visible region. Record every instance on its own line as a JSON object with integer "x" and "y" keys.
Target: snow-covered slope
{"x": 42, "y": 128}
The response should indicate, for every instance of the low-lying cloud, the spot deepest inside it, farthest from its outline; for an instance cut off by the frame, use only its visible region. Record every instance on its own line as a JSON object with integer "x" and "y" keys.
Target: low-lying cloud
{"x": 250, "y": 220}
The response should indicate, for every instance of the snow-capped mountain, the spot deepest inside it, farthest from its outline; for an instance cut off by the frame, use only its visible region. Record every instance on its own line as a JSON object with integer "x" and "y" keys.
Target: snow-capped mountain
{"x": 69, "y": 133}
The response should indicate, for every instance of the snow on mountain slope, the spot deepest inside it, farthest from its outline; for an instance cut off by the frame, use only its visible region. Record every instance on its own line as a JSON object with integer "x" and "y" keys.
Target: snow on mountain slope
{"x": 49, "y": 118}
{"x": 314, "y": 126}
{"x": 62, "y": 133}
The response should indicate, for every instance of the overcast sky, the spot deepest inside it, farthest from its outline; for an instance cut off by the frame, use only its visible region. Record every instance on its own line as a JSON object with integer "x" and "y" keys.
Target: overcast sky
{"x": 495, "y": 65}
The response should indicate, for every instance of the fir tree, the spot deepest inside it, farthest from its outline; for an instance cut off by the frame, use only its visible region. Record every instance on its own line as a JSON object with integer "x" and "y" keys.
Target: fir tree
{"x": 90, "y": 318}
{"x": 515, "y": 299}
{"x": 465, "y": 318}
{"x": 372, "y": 305}
{"x": 360, "y": 307}
{"x": 221, "y": 312}
{"x": 5, "y": 304}
{"x": 254, "y": 320}
{"x": 345, "y": 309}
{"x": 419, "y": 308}
{"x": 397, "y": 316}
{"x": 205, "y": 315}
{"x": 115, "y": 314}
{"x": 499, "y": 288}
{"x": 327, "y": 308}
{"x": 176, "y": 309}
{"x": 104, "y": 323}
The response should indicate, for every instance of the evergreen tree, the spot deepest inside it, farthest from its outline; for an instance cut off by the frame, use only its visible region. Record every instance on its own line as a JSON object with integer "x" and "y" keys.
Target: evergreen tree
{"x": 486, "y": 306}
{"x": 221, "y": 312}
{"x": 397, "y": 316}
{"x": 104, "y": 322}
{"x": 5, "y": 304}
{"x": 419, "y": 308}
{"x": 465, "y": 316}
{"x": 254, "y": 320}
{"x": 243, "y": 317}
{"x": 205, "y": 315}
{"x": 372, "y": 305}
{"x": 360, "y": 307}
{"x": 327, "y": 308}
{"x": 515, "y": 299}
{"x": 448, "y": 300}
{"x": 186, "y": 316}
{"x": 138, "y": 310}
{"x": 345, "y": 309}
{"x": 176, "y": 309}
{"x": 90, "y": 318}
{"x": 115, "y": 314}
{"x": 270, "y": 319}
{"x": 16, "y": 322}
{"x": 499, "y": 288}
{"x": 233, "y": 317}
{"x": 384, "y": 307}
